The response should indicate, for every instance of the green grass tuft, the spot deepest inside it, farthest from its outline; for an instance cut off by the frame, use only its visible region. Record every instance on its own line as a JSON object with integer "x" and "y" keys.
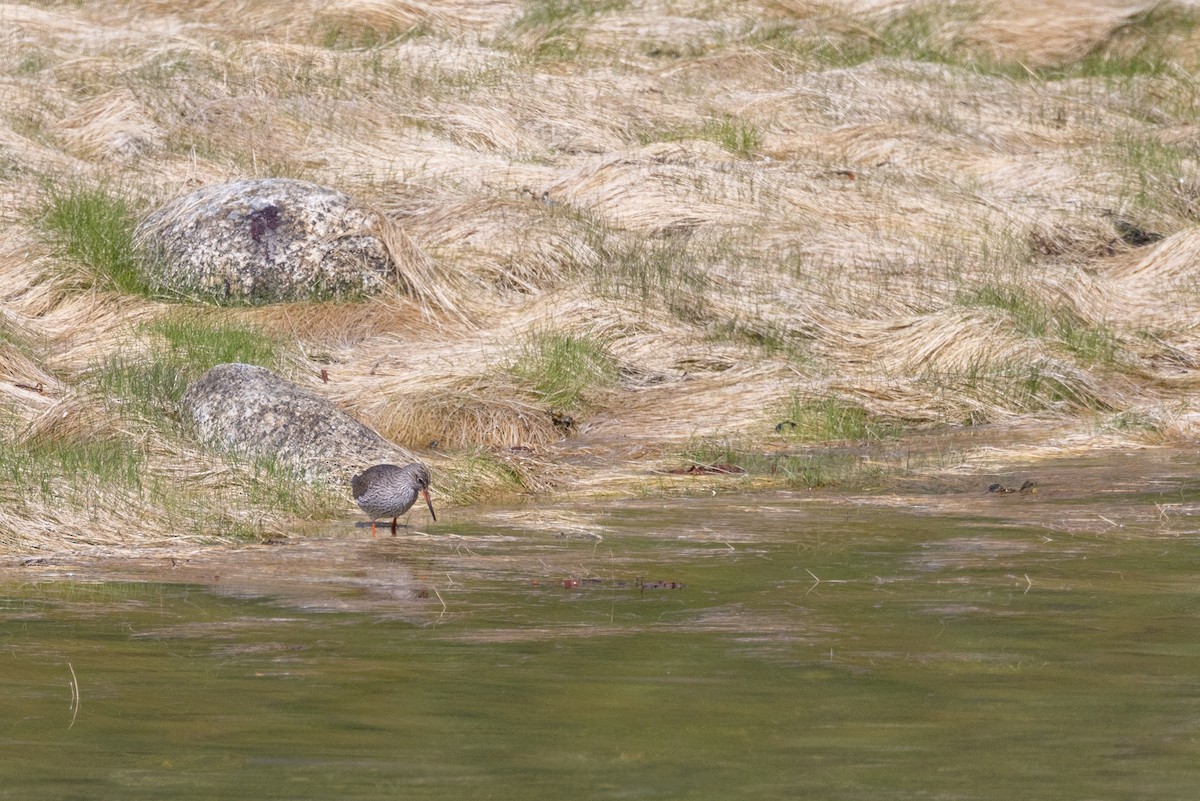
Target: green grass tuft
{"x": 918, "y": 33}
{"x": 659, "y": 273}
{"x": 18, "y": 340}
{"x": 831, "y": 420}
{"x": 93, "y": 226}
{"x": 738, "y": 136}
{"x": 1159, "y": 176}
{"x": 807, "y": 470}
{"x": 199, "y": 344}
{"x": 987, "y": 391}
{"x": 552, "y": 13}
{"x": 82, "y": 471}
{"x": 1029, "y": 314}
{"x": 735, "y": 135}
{"x": 1092, "y": 344}
{"x": 770, "y": 338}
{"x": 111, "y": 461}
{"x": 276, "y": 488}
{"x": 347, "y": 35}
{"x": 551, "y": 30}
{"x": 188, "y": 345}
{"x": 478, "y": 475}
{"x": 91, "y": 472}
{"x": 1151, "y": 43}
{"x": 31, "y": 63}
{"x": 1139, "y": 423}
{"x": 567, "y": 372}
{"x": 1148, "y": 44}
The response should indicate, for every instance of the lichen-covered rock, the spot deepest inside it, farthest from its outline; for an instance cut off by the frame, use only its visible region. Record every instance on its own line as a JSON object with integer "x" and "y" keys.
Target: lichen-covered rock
{"x": 265, "y": 241}
{"x": 252, "y": 412}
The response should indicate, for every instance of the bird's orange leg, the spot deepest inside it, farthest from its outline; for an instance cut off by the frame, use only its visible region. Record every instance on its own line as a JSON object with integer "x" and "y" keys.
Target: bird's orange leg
{"x": 373, "y": 534}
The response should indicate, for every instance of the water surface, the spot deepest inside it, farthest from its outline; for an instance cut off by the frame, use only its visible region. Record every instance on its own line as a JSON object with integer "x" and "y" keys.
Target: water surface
{"x": 942, "y": 644}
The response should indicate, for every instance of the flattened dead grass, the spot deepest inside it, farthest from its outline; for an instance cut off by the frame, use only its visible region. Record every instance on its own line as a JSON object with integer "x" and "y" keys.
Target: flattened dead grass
{"x": 937, "y": 215}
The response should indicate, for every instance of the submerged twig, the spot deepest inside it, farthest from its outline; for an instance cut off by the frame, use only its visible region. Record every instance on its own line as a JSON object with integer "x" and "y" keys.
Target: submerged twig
{"x": 74, "y": 695}
{"x": 443, "y": 603}
{"x": 816, "y": 581}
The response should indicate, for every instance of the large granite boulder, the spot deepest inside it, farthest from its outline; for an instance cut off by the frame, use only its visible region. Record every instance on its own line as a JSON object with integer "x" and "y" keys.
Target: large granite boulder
{"x": 265, "y": 241}
{"x": 251, "y": 412}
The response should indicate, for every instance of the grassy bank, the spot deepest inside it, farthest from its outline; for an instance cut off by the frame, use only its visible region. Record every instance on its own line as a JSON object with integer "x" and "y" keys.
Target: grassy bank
{"x": 784, "y": 236}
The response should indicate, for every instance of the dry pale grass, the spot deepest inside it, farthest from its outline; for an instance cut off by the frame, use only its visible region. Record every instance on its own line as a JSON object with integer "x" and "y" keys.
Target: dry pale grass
{"x": 944, "y": 214}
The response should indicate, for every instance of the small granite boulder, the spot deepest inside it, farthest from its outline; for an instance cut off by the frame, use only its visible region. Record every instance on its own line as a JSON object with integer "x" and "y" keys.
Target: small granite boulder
{"x": 265, "y": 241}
{"x": 254, "y": 413}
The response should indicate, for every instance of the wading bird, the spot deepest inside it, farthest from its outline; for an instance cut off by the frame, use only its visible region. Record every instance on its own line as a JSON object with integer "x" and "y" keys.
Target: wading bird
{"x": 386, "y": 490}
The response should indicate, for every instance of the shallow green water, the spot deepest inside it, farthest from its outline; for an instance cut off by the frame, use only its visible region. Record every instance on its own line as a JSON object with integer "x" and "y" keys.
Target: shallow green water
{"x": 938, "y": 656}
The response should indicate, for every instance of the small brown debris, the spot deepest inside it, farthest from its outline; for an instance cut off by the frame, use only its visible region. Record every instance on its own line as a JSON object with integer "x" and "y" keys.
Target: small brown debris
{"x": 1134, "y": 235}
{"x": 1027, "y": 487}
{"x": 717, "y": 468}
{"x": 660, "y": 585}
{"x": 638, "y": 584}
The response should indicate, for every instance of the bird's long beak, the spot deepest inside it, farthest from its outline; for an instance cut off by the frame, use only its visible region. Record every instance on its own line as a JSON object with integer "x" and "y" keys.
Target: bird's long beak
{"x": 429, "y": 503}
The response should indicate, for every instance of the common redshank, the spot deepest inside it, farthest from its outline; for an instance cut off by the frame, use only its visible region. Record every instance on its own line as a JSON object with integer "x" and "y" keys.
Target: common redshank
{"x": 386, "y": 490}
